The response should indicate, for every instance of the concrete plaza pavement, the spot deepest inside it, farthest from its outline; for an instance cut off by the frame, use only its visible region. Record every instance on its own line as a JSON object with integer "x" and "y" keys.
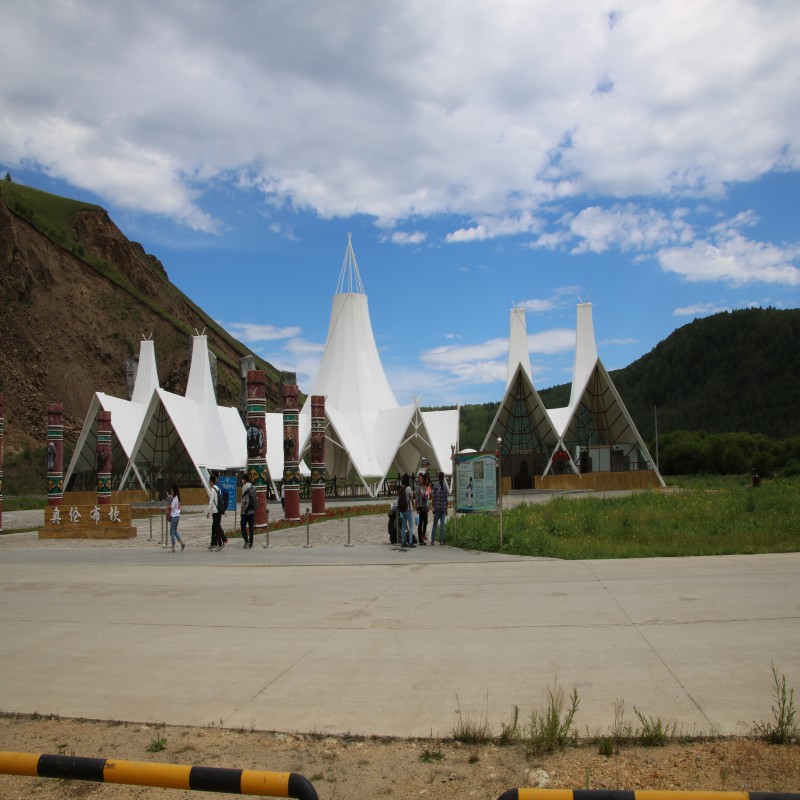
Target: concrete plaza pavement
{"x": 371, "y": 639}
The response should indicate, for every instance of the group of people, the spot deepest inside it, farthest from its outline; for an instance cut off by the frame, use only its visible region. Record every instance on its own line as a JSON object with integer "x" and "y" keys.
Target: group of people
{"x": 216, "y": 508}
{"x": 420, "y": 499}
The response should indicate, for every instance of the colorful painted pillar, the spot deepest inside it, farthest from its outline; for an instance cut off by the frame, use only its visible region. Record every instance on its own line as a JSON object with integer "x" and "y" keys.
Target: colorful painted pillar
{"x": 291, "y": 458}
{"x": 55, "y": 454}
{"x": 256, "y": 424}
{"x": 2, "y": 424}
{"x": 317, "y": 454}
{"x": 103, "y": 458}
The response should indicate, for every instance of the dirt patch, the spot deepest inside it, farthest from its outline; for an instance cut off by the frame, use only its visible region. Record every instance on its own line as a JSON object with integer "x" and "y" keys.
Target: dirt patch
{"x": 362, "y": 769}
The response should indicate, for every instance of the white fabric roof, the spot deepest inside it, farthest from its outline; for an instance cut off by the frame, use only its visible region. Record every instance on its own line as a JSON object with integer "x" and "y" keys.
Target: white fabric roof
{"x": 213, "y": 437}
{"x": 518, "y": 352}
{"x": 126, "y": 418}
{"x": 585, "y": 354}
{"x": 586, "y": 367}
{"x": 367, "y": 428}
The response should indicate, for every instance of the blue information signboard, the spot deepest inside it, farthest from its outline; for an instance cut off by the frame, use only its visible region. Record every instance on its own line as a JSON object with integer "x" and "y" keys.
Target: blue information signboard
{"x": 229, "y": 482}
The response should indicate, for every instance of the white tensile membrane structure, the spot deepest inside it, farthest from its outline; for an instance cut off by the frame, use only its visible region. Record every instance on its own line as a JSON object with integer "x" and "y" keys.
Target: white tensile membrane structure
{"x": 529, "y": 437}
{"x": 126, "y": 421}
{"x": 593, "y": 434}
{"x": 369, "y": 435}
{"x": 191, "y": 434}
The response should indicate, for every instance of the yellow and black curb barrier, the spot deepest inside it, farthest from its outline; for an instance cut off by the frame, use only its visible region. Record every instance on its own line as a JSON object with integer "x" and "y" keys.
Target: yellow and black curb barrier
{"x": 624, "y": 794}
{"x": 165, "y": 776}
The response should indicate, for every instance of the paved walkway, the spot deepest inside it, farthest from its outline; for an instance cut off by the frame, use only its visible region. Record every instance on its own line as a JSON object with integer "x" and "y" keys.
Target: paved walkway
{"x": 373, "y": 639}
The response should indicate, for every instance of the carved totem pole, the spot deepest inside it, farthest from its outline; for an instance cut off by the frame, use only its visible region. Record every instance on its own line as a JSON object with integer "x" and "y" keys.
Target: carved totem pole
{"x": 55, "y": 454}
{"x": 2, "y": 422}
{"x": 291, "y": 457}
{"x": 317, "y": 454}
{"x": 103, "y": 458}
{"x": 256, "y": 424}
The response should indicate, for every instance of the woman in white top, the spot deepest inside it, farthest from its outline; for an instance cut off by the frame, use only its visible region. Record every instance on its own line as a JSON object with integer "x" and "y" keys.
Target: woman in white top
{"x": 175, "y": 516}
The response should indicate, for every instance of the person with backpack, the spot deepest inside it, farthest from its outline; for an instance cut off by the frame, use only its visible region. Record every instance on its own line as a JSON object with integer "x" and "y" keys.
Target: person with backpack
{"x": 248, "y": 517}
{"x": 406, "y": 511}
{"x": 214, "y": 511}
{"x": 439, "y": 509}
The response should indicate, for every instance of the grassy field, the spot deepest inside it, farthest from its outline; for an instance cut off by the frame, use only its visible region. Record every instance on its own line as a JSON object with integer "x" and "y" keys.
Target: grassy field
{"x": 710, "y": 516}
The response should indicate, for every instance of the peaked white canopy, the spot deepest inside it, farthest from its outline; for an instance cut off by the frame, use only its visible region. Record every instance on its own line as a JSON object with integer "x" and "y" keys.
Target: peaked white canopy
{"x": 527, "y": 434}
{"x": 368, "y": 432}
{"x": 594, "y": 432}
{"x": 190, "y": 433}
{"x": 126, "y": 420}
{"x": 518, "y": 352}
{"x": 596, "y": 429}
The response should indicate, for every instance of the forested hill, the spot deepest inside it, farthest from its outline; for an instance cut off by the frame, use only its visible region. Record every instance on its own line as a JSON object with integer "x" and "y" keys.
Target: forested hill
{"x": 736, "y": 371}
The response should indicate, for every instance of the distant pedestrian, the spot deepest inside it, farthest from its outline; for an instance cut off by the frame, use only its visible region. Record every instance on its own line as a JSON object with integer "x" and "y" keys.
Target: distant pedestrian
{"x": 421, "y": 491}
{"x": 214, "y": 511}
{"x": 248, "y": 511}
{"x": 175, "y": 516}
{"x": 439, "y": 508}
{"x": 405, "y": 511}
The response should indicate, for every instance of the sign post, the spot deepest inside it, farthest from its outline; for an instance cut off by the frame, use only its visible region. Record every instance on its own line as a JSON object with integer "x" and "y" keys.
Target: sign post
{"x": 476, "y": 483}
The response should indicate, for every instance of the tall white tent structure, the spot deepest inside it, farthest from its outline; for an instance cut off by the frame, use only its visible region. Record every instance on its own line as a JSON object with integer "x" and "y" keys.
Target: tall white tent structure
{"x": 181, "y": 437}
{"x": 126, "y": 421}
{"x": 521, "y": 422}
{"x": 369, "y": 435}
{"x": 595, "y": 429}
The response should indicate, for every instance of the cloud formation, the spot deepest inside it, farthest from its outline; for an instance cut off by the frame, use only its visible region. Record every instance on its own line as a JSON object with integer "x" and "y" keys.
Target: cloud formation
{"x": 405, "y": 110}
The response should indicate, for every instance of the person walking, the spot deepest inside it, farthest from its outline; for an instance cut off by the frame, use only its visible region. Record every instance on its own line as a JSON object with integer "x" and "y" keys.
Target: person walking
{"x": 421, "y": 491}
{"x": 405, "y": 511}
{"x": 439, "y": 508}
{"x": 215, "y": 513}
{"x": 248, "y": 517}
{"x": 174, "y": 517}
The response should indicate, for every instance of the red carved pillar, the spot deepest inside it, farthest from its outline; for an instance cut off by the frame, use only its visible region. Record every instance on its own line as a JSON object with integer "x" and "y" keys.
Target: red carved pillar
{"x": 317, "y": 454}
{"x": 2, "y": 425}
{"x": 256, "y": 424}
{"x": 55, "y": 454}
{"x": 291, "y": 458}
{"x": 103, "y": 458}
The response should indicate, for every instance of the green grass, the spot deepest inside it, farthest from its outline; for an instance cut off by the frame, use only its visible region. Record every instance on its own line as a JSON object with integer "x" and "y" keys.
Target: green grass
{"x": 717, "y": 517}
{"x": 24, "y": 502}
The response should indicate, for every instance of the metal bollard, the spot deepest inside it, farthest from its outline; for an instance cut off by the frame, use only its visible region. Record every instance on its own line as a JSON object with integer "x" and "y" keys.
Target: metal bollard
{"x": 348, "y": 528}
{"x": 307, "y": 544}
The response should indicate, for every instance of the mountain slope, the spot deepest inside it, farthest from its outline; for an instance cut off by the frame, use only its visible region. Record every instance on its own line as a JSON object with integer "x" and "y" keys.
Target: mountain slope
{"x": 76, "y": 297}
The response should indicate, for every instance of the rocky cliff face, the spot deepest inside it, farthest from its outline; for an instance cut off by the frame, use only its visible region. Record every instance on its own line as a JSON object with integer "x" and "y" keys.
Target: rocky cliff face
{"x": 67, "y": 330}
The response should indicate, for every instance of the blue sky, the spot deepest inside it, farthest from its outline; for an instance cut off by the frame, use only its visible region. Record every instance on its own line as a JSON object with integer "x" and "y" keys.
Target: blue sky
{"x": 642, "y": 155}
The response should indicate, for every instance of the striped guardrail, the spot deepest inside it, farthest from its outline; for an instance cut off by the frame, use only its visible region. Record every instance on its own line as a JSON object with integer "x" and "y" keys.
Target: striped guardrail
{"x": 165, "y": 776}
{"x": 622, "y": 794}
